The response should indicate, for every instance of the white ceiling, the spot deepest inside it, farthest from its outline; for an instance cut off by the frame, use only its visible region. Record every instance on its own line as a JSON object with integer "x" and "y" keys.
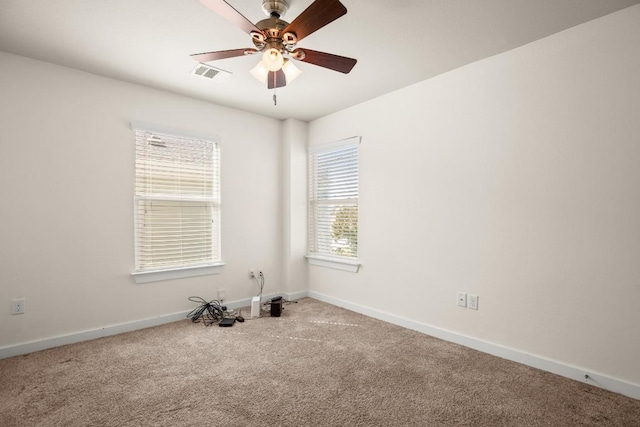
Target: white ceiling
{"x": 396, "y": 43}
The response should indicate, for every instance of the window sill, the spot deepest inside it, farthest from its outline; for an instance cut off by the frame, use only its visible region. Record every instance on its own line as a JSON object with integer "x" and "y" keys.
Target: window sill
{"x": 337, "y": 263}
{"x": 176, "y": 273}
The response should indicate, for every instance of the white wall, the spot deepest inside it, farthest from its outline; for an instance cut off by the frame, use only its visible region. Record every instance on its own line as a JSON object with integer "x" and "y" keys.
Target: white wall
{"x": 66, "y": 189}
{"x": 515, "y": 178}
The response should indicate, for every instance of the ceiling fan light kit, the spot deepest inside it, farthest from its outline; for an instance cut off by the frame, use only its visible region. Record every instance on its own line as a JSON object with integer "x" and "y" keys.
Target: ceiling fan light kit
{"x": 277, "y": 39}
{"x": 273, "y": 59}
{"x": 261, "y": 72}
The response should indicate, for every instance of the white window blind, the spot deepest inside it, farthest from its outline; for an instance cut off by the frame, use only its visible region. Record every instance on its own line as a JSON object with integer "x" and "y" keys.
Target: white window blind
{"x": 177, "y": 202}
{"x": 333, "y": 199}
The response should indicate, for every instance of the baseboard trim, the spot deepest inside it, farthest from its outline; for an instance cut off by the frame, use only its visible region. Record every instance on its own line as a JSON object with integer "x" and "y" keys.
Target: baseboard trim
{"x": 296, "y": 295}
{"x": 91, "y": 334}
{"x": 569, "y": 371}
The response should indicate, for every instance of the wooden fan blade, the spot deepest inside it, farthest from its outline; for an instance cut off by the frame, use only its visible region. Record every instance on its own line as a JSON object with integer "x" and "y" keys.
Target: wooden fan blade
{"x": 276, "y": 79}
{"x": 316, "y": 16}
{"x": 327, "y": 60}
{"x": 221, "y": 54}
{"x": 229, "y": 13}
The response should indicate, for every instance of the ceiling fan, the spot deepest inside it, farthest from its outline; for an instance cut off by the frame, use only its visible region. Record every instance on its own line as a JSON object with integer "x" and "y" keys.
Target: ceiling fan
{"x": 277, "y": 39}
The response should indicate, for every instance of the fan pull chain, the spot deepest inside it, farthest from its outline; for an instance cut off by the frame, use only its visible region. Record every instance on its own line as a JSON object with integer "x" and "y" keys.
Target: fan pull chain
{"x": 275, "y": 99}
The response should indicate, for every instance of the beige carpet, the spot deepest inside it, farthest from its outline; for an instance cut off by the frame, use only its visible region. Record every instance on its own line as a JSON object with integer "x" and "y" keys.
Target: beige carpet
{"x": 317, "y": 365}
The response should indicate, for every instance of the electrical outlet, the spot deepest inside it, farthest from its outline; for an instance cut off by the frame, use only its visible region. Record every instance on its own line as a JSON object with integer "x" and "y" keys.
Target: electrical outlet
{"x": 222, "y": 294}
{"x": 252, "y": 273}
{"x": 472, "y": 301}
{"x": 462, "y": 299}
{"x": 17, "y": 306}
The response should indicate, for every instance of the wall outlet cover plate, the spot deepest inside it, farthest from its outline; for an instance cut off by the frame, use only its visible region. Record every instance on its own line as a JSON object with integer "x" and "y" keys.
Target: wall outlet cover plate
{"x": 462, "y": 299}
{"x": 472, "y": 301}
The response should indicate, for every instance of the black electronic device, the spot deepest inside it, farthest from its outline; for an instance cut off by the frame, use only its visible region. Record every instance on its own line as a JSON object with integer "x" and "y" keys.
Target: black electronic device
{"x": 276, "y": 306}
{"x": 227, "y": 321}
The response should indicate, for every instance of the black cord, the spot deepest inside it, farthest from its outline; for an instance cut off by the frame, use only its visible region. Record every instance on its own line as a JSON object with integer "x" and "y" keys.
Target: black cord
{"x": 210, "y": 312}
{"x": 284, "y": 301}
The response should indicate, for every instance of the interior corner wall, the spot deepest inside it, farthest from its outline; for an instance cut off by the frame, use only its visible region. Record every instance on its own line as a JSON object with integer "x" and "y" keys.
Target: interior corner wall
{"x": 514, "y": 178}
{"x": 66, "y": 188}
{"x": 295, "y": 272}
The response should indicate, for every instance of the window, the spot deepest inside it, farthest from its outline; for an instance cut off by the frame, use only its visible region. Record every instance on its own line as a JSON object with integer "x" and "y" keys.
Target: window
{"x": 333, "y": 204}
{"x": 176, "y": 205}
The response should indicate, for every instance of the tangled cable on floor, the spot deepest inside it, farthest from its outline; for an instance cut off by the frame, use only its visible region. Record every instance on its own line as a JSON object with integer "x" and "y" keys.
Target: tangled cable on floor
{"x": 210, "y": 312}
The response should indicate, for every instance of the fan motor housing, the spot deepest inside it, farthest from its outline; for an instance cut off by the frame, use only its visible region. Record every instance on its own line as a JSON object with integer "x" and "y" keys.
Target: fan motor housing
{"x": 272, "y": 28}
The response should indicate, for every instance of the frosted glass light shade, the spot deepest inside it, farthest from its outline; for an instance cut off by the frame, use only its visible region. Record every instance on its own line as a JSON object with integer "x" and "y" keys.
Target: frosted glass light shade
{"x": 272, "y": 59}
{"x": 260, "y": 72}
{"x": 290, "y": 71}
